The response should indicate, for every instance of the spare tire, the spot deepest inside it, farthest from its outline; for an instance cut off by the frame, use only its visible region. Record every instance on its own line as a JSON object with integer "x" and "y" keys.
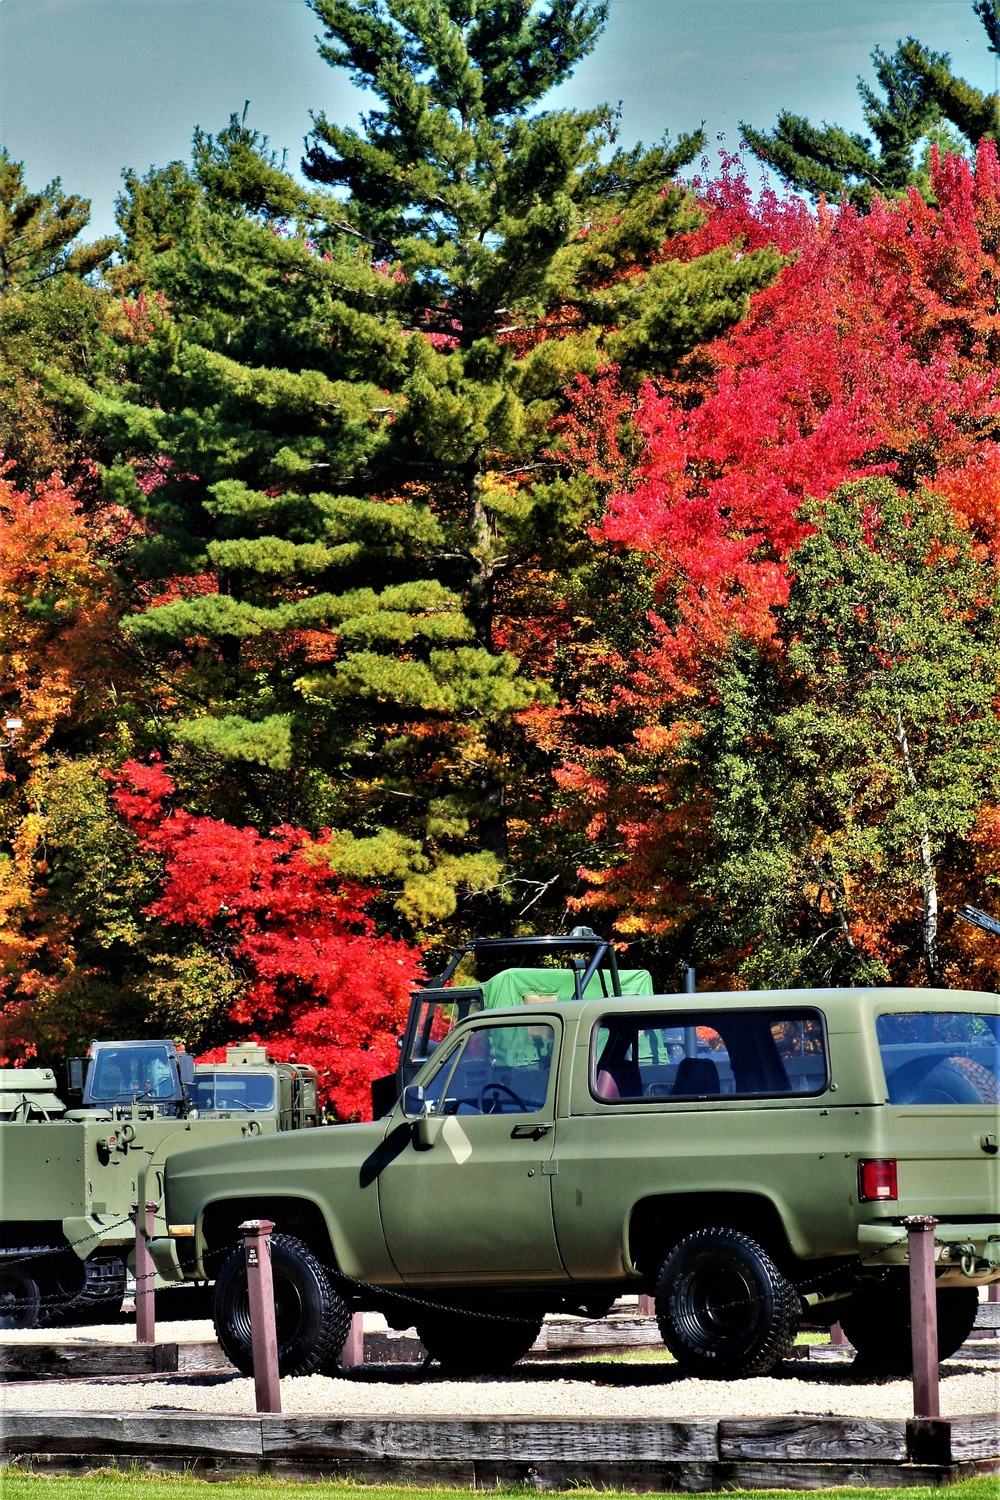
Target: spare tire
{"x": 312, "y": 1319}
{"x": 724, "y": 1309}
{"x": 932, "y": 1080}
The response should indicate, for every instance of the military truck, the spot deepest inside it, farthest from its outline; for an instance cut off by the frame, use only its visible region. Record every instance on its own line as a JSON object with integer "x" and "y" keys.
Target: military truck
{"x": 69, "y": 1176}
{"x": 747, "y": 1159}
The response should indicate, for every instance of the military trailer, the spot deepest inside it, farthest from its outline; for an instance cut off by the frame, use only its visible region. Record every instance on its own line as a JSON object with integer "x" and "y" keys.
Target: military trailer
{"x": 747, "y": 1159}
{"x": 508, "y": 971}
{"x": 69, "y": 1176}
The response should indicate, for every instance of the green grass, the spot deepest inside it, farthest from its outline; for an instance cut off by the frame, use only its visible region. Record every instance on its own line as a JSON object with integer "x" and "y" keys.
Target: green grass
{"x": 104, "y": 1484}
{"x": 653, "y": 1355}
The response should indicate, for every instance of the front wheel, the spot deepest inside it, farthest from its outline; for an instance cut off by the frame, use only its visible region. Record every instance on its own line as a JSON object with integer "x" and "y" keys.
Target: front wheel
{"x": 312, "y": 1319}
{"x": 724, "y": 1309}
{"x": 876, "y": 1321}
{"x": 466, "y": 1345}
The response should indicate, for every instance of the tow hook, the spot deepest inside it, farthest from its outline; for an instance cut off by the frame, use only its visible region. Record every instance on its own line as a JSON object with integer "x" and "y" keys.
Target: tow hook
{"x": 988, "y": 1143}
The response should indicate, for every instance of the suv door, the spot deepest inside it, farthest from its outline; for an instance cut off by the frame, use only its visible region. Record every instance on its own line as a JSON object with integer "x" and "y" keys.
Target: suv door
{"x": 478, "y": 1202}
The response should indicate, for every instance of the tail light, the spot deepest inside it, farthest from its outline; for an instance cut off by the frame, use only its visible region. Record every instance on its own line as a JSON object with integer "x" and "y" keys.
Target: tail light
{"x": 877, "y": 1182}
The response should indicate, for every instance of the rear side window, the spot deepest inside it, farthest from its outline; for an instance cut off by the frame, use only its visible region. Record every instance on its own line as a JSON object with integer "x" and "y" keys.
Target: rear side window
{"x": 940, "y": 1057}
{"x": 704, "y": 1054}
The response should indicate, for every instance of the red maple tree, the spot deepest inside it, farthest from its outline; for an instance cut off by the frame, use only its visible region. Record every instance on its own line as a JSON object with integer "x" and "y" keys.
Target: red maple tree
{"x": 875, "y": 351}
{"x": 324, "y": 987}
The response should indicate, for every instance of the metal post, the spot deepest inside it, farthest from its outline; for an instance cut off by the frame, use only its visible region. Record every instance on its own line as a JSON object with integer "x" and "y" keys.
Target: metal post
{"x": 353, "y": 1352}
{"x": 647, "y": 1306}
{"x": 260, "y": 1287}
{"x": 837, "y": 1334}
{"x": 923, "y": 1315}
{"x": 993, "y": 1295}
{"x": 145, "y": 1282}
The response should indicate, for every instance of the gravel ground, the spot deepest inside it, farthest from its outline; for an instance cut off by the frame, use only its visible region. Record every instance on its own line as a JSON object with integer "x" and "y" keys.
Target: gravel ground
{"x": 578, "y": 1390}
{"x": 189, "y": 1331}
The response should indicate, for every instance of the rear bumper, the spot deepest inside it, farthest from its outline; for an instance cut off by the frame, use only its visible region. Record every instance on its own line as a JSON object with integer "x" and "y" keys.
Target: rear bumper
{"x": 966, "y": 1254}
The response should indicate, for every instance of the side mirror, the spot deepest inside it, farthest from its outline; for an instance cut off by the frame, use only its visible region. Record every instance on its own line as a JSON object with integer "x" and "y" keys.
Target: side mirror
{"x": 427, "y": 1127}
{"x": 185, "y": 1068}
{"x": 414, "y": 1106}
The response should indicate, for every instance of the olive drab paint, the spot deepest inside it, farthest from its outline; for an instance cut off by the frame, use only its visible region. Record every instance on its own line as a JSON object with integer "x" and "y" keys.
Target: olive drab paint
{"x": 606, "y": 1132}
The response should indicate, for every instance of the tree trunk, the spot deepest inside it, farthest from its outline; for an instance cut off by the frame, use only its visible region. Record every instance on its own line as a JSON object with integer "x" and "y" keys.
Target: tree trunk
{"x": 481, "y": 581}
{"x": 925, "y": 860}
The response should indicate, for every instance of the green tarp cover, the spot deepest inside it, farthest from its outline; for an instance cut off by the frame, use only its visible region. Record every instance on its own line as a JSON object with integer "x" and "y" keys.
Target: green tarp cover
{"x": 510, "y": 986}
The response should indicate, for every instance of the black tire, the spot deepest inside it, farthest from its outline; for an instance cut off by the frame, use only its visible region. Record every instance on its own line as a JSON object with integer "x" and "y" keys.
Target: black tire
{"x": 20, "y": 1298}
{"x": 927, "y": 1080}
{"x": 724, "y": 1309}
{"x": 311, "y": 1316}
{"x": 467, "y": 1345}
{"x": 876, "y": 1320}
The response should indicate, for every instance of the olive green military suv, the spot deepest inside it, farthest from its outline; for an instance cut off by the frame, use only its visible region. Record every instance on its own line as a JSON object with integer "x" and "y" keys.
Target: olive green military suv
{"x": 747, "y": 1158}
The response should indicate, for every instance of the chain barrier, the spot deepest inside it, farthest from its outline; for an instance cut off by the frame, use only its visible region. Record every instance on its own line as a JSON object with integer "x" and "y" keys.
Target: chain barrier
{"x": 51, "y": 1302}
{"x": 406, "y": 1299}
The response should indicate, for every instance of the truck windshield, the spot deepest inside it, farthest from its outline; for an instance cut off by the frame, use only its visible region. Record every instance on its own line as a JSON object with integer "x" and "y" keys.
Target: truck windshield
{"x": 131, "y": 1072}
{"x": 940, "y": 1057}
{"x": 251, "y": 1091}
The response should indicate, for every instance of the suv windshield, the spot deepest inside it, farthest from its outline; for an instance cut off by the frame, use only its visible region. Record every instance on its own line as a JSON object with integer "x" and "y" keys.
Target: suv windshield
{"x": 940, "y": 1057}
{"x": 251, "y": 1091}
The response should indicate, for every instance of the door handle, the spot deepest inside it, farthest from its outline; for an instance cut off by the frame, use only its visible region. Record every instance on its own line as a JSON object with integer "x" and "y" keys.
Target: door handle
{"x": 529, "y": 1132}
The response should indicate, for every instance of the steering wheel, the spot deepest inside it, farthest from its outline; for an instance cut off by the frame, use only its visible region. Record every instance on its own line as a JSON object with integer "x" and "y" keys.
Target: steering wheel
{"x": 496, "y": 1089}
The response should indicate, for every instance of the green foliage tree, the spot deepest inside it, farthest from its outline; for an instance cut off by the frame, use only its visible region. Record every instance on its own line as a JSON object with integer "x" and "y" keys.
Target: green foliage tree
{"x": 354, "y": 387}
{"x": 848, "y": 763}
{"x": 52, "y": 318}
{"x": 919, "y": 103}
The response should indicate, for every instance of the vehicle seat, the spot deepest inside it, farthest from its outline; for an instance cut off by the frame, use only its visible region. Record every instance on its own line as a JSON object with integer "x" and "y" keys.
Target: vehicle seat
{"x": 617, "y": 1076}
{"x": 696, "y": 1075}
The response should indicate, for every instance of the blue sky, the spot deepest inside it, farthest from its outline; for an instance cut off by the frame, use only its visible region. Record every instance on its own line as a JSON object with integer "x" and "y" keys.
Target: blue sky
{"x": 88, "y": 87}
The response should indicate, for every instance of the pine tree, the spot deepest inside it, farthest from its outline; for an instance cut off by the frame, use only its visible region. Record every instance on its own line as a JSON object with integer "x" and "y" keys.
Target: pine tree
{"x": 345, "y": 398}
{"x": 922, "y": 104}
{"x": 51, "y": 318}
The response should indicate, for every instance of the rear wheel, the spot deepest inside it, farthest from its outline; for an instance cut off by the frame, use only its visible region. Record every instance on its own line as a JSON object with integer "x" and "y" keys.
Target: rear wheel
{"x": 724, "y": 1309}
{"x": 312, "y": 1319}
{"x": 466, "y": 1345}
{"x": 20, "y": 1298}
{"x": 876, "y": 1321}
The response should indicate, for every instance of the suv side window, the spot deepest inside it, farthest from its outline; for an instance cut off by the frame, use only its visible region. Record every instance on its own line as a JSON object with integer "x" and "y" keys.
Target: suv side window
{"x": 704, "y": 1054}
{"x": 501, "y": 1070}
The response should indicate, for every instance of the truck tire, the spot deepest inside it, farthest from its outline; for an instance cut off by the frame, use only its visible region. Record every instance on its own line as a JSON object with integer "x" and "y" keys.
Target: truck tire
{"x": 466, "y": 1345}
{"x": 876, "y": 1320}
{"x": 20, "y": 1298}
{"x": 724, "y": 1309}
{"x": 312, "y": 1318}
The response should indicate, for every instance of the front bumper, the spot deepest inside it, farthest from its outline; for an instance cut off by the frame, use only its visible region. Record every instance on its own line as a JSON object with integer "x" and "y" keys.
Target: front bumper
{"x": 965, "y": 1254}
